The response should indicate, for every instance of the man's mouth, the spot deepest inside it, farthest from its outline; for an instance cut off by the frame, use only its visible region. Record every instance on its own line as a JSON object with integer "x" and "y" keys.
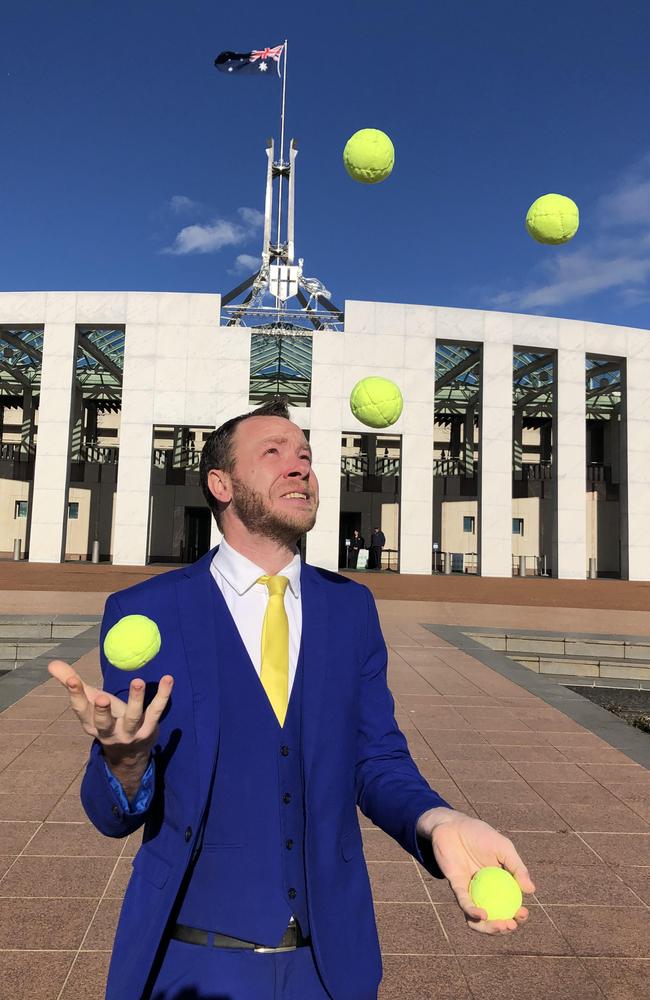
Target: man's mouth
{"x": 297, "y": 496}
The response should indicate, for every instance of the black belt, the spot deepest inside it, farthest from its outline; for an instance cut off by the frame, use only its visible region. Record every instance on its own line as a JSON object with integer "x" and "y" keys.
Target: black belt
{"x": 291, "y": 939}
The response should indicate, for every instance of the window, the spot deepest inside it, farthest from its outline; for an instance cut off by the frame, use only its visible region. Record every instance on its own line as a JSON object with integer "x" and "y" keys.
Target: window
{"x": 73, "y": 510}
{"x": 517, "y": 525}
{"x": 20, "y": 508}
{"x": 468, "y": 525}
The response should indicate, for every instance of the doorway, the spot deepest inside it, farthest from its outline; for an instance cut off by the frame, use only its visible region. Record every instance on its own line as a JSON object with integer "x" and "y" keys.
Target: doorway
{"x": 348, "y": 522}
{"x": 196, "y": 537}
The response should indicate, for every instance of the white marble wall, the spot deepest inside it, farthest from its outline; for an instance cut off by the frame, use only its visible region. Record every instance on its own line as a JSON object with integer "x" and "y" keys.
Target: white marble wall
{"x": 570, "y": 444}
{"x": 181, "y": 368}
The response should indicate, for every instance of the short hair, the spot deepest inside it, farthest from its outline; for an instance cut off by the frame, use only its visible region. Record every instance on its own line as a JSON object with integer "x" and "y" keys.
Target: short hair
{"x": 219, "y": 453}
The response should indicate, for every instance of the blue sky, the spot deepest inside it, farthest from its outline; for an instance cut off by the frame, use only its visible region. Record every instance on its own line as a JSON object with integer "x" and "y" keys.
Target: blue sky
{"x": 118, "y": 134}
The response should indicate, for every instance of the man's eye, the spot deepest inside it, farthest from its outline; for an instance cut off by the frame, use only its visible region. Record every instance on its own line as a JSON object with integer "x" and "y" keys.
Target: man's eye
{"x": 268, "y": 450}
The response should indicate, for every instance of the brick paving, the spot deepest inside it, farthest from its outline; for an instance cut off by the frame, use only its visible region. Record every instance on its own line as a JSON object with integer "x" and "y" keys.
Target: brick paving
{"x": 577, "y": 809}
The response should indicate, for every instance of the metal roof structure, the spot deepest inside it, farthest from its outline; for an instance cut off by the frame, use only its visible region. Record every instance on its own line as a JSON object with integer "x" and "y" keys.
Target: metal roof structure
{"x": 458, "y": 382}
{"x": 21, "y": 358}
{"x": 100, "y": 364}
{"x": 281, "y": 362}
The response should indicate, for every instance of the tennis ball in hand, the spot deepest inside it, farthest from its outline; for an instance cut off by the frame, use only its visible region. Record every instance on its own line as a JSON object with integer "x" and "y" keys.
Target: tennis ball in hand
{"x": 132, "y": 642}
{"x": 376, "y": 402}
{"x": 553, "y": 218}
{"x": 369, "y": 156}
{"x": 496, "y": 891}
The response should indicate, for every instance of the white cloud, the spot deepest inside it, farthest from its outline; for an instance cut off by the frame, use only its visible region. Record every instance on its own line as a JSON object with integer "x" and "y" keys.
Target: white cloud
{"x": 180, "y": 204}
{"x": 616, "y": 258}
{"x": 206, "y": 239}
{"x": 251, "y": 217}
{"x": 245, "y": 263}
{"x": 212, "y": 236}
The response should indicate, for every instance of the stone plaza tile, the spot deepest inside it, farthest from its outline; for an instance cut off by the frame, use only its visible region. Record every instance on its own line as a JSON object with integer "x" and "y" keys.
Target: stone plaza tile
{"x": 620, "y": 978}
{"x": 68, "y": 810}
{"x": 588, "y": 884}
{"x": 614, "y": 774}
{"x": 604, "y": 930}
{"x": 422, "y": 977}
{"x": 79, "y": 840}
{"x": 620, "y": 848}
{"x": 65, "y": 877}
{"x": 498, "y": 791}
{"x": 595, "y": 755}
{"x": 39, "y": 923}
{"x": 596, "y": 819}
{"x": 104, "y": 923}
{"x": 462, "y": 769}
{"x": 479, "y": 752}
{"x": 638, "y": 880}
{"x": 588, "y": 792}
{"x": 410, "y": 929}
{"x": 537, "y": 936}
{"x": 27, "y": 805}
{"x": 15, "y": 835}
{"x": 35, "y": 975}
{"x": 120, "y": 879}
{"x": 559, "y": 848}
{"x": 553, "y": 771}
{"x": 378, "y": 846}
{"x": 531, "y": 754}
{"x": 520, "y": 818}
{"x": 396, "y": 882}
{"x": 87, "y": 979}
{"x": 513, "y": 977}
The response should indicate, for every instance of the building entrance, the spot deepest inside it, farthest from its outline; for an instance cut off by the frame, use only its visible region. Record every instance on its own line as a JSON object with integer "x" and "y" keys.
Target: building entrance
{"x": 196, "y": 536}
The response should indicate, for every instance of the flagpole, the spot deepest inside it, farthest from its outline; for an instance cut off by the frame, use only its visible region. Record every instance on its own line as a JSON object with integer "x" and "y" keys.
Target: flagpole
{"x": 284, "y": 93}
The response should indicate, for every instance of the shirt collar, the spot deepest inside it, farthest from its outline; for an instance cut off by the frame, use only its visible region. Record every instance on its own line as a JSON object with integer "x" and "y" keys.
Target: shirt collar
{"x": 242, "y": 574}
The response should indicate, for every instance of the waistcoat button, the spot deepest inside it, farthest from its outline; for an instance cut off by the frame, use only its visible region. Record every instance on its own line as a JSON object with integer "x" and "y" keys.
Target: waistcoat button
{"x": 292, "y": 893}
{"x": 289, "y": 844}
{"x": 286, "y": 798}
{"x": 284, "y": 751}
{"x": 188, "y": 834}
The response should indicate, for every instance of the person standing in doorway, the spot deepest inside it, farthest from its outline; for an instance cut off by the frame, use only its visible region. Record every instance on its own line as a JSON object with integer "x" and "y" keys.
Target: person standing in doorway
{"x": 356, "y": 543}
{"x": 377, "y": 542}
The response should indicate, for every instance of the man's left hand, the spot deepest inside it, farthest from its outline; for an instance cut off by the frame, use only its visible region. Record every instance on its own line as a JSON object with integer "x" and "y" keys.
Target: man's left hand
{"x": 461, "y": 846}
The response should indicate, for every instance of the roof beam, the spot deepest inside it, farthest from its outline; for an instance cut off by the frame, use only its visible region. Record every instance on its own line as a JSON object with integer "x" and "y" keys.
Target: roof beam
{"x": 533, "y": 366}
{"x": 98, "y": 355}
{"x": 12, "y": 340}
{"x": 465, "y": 365}
{"x": 16, "y": 374}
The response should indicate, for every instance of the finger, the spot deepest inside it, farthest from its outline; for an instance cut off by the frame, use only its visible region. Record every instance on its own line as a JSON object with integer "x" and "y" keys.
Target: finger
{"x": 73, "y": 683}
{"x": 517, "y": 868}
{"x": 493, "y": 927}
{"x": 158, "y": 703}
{"x": 102, "y": 716}
{"x": 132, "y": 718}
{"x": 466, "y": 903}
{"x": 522, "y": 914}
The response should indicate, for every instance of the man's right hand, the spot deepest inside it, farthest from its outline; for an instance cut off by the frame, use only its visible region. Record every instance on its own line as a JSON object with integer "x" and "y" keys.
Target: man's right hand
{"x": 126, "y": 730}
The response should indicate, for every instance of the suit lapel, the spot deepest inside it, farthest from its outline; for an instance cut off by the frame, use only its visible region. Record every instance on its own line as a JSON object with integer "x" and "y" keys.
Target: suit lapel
{"x": 315, "y": 620}
{"x": 200, "y": 629}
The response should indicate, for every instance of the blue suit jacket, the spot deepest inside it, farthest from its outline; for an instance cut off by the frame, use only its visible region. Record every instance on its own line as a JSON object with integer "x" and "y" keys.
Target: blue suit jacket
{"x": 353, "y": 752}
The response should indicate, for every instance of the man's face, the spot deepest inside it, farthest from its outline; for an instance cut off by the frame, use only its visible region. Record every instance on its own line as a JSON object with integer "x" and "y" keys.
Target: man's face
{"x": 274, "y": 490}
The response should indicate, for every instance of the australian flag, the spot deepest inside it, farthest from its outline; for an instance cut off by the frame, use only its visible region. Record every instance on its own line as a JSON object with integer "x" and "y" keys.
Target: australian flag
{"x": 259, "y": 61}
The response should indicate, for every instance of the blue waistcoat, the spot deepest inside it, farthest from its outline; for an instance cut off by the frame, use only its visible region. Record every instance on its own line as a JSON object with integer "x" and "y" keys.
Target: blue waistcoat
{"x": 249, "y": 878}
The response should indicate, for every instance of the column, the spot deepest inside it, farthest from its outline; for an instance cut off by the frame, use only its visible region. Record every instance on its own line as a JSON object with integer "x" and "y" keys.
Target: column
{"x": 517, "y": 433}
{"x": 468, "y": 442}
{"x": 48, "y": 513}
{"x": 322, "y": 542}
{"x": 569, "y": 465}
{"x": 27, "y": 426}
{"x": 635, "y": 465}
{"x": 495, "y": 463}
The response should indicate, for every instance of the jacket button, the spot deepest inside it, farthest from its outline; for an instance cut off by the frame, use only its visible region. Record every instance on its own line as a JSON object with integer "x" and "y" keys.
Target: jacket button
{"x": 188, "y": 834}
{"x": 284, "y": 751}
{"x": 289, "y": 844}
{"x": 292, "y": 893}
{"x": 116, "y": 811}
{"x": 286, "y": 798}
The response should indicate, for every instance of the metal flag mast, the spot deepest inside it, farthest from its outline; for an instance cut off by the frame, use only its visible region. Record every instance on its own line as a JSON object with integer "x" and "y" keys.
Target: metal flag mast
{"x": 278, "y": 276}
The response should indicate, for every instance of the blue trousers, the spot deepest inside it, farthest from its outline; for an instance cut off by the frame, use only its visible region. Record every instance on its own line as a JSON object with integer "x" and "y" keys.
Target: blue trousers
{"x": 194, "y": 972}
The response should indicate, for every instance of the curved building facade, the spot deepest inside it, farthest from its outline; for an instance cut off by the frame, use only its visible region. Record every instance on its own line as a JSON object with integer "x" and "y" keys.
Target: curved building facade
{"x": 523, "y": 445}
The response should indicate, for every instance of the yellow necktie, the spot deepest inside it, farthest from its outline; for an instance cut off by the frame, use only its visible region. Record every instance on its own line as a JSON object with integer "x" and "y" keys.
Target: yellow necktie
{"x": 275, "y": 646}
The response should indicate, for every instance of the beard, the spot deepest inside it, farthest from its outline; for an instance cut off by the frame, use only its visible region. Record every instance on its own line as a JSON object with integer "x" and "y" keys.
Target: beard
{"x": 256, "y": 514}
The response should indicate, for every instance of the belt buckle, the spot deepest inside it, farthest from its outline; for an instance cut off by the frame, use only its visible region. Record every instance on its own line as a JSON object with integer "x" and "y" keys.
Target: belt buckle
{"x": 291, "y": 932}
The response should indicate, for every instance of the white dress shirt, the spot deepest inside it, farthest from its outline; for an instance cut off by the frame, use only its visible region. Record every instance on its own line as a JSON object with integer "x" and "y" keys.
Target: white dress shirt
{"x": 236, "y": 577}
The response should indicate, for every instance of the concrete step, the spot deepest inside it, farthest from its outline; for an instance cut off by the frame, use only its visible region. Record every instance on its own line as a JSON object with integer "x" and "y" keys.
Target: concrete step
{"x": 585, "y": 666}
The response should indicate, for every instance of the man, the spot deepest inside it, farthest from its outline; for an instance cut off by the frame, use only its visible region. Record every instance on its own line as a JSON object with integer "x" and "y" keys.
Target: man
{"x": 251, "y": 882}
{"x": 377, "y": 542}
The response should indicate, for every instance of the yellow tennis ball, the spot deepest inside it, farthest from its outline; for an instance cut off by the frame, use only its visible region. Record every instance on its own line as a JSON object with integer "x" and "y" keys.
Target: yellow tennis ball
{"x": 369, "y": 156}
{"x": 132, "y": 642}
{"x": 496, "y": 891}
{"x": 376, "y": 402}
{"x": 553, "y": 218}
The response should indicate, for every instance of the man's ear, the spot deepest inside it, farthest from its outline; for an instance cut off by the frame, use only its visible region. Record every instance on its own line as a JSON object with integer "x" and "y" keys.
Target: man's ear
{"x": 219, "y": 485}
